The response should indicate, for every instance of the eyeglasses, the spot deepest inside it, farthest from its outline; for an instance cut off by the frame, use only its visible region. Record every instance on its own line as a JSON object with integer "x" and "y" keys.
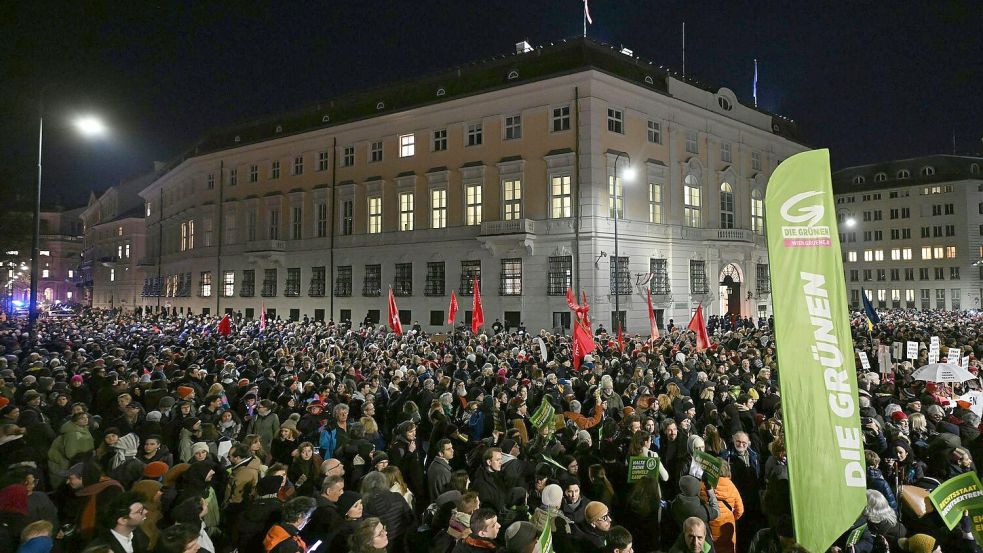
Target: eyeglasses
{"x": 606, "y": 518}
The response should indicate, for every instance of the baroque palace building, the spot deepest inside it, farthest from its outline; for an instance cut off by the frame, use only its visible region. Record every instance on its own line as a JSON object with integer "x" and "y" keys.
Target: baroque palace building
{"x": 508, "y": 170}
{"x": 911, "y": 232}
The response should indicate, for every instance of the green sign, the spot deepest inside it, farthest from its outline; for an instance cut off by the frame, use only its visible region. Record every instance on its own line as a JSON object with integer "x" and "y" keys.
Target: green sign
{"x": 543, "y": 415}
{"x": 709, "y": 465}
{"x": 640, "y": 466}
{"x": 855, "y": 535}
{"x": 956, "y": 495}
{"x": 546, "y": 537}
{"x": 815, "y": 351}
{"x": 551, "y": 461}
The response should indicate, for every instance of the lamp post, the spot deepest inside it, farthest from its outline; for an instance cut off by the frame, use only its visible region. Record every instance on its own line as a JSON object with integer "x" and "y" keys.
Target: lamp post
{"x": 626, "y": 176}
{"x": 88, "y": 126}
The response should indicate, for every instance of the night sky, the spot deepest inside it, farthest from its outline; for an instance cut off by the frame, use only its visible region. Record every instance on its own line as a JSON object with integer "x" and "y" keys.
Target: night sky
{"x": 871, "y": 82}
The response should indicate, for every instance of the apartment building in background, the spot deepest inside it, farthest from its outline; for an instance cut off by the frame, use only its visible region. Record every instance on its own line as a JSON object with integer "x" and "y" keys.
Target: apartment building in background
{"x": 61, "y": 244}
{"x": 911, "y": 232}
{"x": 507, "y": 171}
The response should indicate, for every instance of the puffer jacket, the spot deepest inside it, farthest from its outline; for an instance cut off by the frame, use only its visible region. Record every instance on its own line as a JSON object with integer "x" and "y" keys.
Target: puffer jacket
{"x": 262, "y": 513}
{"x": 392, "y": 510}
{"x": 73, "y": 440}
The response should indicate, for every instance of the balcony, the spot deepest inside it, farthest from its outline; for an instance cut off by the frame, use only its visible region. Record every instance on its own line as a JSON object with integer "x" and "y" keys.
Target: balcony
{"x": 266, "y": 246}
{"x": 719, "y": 234}
{"x": 515, "y": 226}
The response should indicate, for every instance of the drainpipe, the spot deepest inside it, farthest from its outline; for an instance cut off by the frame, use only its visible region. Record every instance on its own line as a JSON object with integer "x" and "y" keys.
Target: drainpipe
{"x": 334, "y": 173}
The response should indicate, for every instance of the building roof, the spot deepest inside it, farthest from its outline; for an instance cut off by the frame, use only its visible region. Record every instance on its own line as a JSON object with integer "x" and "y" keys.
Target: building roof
{"x": 553, "y": 60}
{"x": 920, "y": 171}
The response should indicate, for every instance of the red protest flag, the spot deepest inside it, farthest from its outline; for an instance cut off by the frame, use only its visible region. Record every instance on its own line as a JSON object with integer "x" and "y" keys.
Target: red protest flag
{"x": 621, "y": 339}
{"x": 262, "y": 316}
{"x": 452, "y": 310}
{"x": 477, "y": 314}
{"x": 394, "y": 323}
{"x": 653, "y": 327}
{"x": 225, "y": 325}
{"x": 699, "y": 326}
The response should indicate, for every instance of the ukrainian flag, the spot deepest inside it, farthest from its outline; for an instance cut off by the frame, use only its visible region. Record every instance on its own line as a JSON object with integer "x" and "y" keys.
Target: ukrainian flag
{"x": 871, "y": 315}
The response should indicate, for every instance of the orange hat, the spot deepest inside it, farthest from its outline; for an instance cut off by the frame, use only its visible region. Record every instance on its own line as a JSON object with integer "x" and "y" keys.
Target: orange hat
{"x": 185, "y": 391}
{"x": 156, "y": 469}
{"x": 3, "y": 402}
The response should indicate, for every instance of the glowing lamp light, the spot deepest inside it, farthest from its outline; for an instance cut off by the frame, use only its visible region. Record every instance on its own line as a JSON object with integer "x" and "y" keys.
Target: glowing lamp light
{"x": 851, "y": 222}
{"x": 90, "y": 125}
{"x": 628, "y": 175}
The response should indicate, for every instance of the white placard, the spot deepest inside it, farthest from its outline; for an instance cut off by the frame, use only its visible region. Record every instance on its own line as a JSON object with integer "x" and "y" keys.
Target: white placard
{"x": 965, "y": 362}
{"x": 933, "y": 357}
{"x": 864, "y": 362}
{"x": 975, "y": 400}
{"x": 934, "y": 344}
{"x": 897, "y": 349}
{"x": 884, "y": 359}
{"x": 912, "y": 350}
{"x": 953, "y": 356}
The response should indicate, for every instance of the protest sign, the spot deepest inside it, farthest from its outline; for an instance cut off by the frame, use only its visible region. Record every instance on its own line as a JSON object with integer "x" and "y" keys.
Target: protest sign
{"x": 546, "y": 537}
{"x": 897, "y": 349}
{"x": 854, "y": 537}
{"x": 956, "y": 495}
{"x": 544, "y": 414}
{"x": 953, "y": 356}
{"x": 864, "y": 362}
{"x": 884, "y": 359}
{"x": 912, "y": 352}
{"x": 640, "y": 466}
{"x": 934, "y": 346}
{"x": 708, "y": 466}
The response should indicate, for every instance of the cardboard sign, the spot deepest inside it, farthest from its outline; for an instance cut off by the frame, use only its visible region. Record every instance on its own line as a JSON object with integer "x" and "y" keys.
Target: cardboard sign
{"x": 864, "y": 362}
{"x": 640, "y": 466}
{"x": 897, "y": 349}
{"x": 933, "y": 357}
{"x": 956, "y": 495}
{"x": 884, "y": 359}
{"x": 912, "y": 352}
{"x": 934, "y": 345}
{"x": 965, "y": 362}
{"x": 975, "y": 400}
{"x": 953, "y": 356}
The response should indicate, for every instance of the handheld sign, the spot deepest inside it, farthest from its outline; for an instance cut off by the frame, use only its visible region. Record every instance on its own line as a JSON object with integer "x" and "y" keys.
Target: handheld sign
{"x": 953, "y": 356}
{"x": 934, "y": 347}
{"x": 897, "y": 349}
{"x": 544, "y": 414}
{"x": 864, "y": 362}
{"x": 955, "y": 495}
{"x": 912, "y": 352}
{"x": 884, "y": 359}
{"x": 933, "y": 357}
{"x": 640, "y": 466}
{"x": 708, "y": 465}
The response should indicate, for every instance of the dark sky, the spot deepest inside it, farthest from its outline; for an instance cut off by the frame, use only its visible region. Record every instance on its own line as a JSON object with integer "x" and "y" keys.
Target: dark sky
{"x": 871, "y": 82}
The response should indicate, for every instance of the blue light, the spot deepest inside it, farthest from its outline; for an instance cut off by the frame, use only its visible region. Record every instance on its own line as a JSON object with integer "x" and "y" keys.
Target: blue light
{"x": 18, "y": 303}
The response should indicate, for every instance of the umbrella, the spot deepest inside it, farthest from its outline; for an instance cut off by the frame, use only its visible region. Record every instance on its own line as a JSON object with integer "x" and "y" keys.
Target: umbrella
{"x": 943, "y": 372}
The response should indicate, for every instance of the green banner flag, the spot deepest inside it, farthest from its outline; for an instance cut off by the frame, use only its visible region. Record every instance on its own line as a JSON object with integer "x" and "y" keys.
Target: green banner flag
{"x": 544, "y": 414}
{"x": 956, "y": 495}
{"x": 546, "y": 537}
{"x": 709, "y": 467}
{"x": 815, "y": 351}
{"x": 640, "y": 466}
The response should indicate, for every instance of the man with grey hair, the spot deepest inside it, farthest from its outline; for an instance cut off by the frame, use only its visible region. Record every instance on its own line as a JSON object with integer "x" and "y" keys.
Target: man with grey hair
{"x": 334, "y": 436}
{"x": 693, "y": 538}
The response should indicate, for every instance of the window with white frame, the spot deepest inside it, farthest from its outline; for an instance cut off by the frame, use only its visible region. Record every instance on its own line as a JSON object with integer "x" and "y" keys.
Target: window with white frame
{"x": 407, "y": 145}
{"x": 691, "y": 202}
{"x": 233, "y": 177}
{"x": 296, "y": 222}
{"x": 513, "y": 127}
{"x": 616, "y": 120}
{"x": 321, "y": 226}
{"x": 655, "y": 202}
{"x": 375, "y": 215}
{"x": 254, "y": 173}
{"x": 275, "y": 169}
{"x": 616, "y": 197}
{"x": 438, "y": 208}
{"x": 405, "y": 211}
{"x": 440, "y": 140}
{"x": 230, "y": 227}
{"x": 375, "y": 151}
{"x": 512, "y": 199}
{"x": 560, "y": 196}
{"x": 205, "y": 284}
{"x": 726, "y": 205}
{"x": 757, "y": 212}
{"x": 725, "y": 152}
{"x": 348, "y": 156}
{"x": 755, "y": 161}
{"x": 298, "y": 165}
{"x": 560, "y": 120}
{"x": 692, "y": 142}
{"x": 273, "y": 231}
{"x": 473, "y": 135}
{"x": 654, "y": 133}
{"x": 322, "y": 161}
{"x": 472, "y": 204}
{"x": 228, "y": 284}
{"x": 191, "y": 234}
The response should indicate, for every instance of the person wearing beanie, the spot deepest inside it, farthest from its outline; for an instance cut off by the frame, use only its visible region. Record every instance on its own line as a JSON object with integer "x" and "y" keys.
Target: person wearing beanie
{"x": 519, "y": 536}
{"x": 919, "y": 543}
{"x": 689, "y": 503}
{"x": 155, "y": 470}
{"x": 596, "y": 525}
{"x": 199, "y": 452}
{"x": 263, "y": 512}
{"x": 349, "y": 506}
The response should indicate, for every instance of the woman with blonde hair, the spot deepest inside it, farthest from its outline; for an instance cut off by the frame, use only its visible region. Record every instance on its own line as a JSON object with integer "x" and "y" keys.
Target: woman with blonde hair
{"x": 397, "y": 484}
{"x": 723, "y": 529}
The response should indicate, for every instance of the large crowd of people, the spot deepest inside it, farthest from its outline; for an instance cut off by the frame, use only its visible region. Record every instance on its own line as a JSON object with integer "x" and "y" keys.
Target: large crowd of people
{"x": 127, "y": 433}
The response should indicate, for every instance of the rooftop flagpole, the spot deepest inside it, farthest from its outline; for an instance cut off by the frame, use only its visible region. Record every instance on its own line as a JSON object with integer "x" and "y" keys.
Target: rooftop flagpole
{"x": 755, "y": 88}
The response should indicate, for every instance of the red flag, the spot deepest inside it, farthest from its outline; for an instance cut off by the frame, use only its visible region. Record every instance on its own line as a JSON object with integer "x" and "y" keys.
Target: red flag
{"x": 698, "y": 326}
{"x": 262, "y": 316}
{"x": 452, "y": 310}
{"x": 621, "y": 339}
{"x": 575, "y": 344}
{"x": 586, "y": 308}
{"x": 583, "y": 343}
{"x": 394, "y": 324}
{"x": 225, "y": 326}
{"x": 477, "y": 314}
{"x": 653, "y": 327}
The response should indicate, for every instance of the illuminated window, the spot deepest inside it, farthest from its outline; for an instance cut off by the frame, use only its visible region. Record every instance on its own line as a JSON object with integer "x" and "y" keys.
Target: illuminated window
{"x": 438, "y": 208}
{"x": 691, "y": 202}
{"x": 852, "y": 257}
{"x": 560, "y": 197}
{"x": 655, "y": 202}
{"x": 757, "y": 212}
{"x": 375, "y": 215}
{"x": 407, "y": 145}
{"x": 406, "y": 211}
{"x": 472, "y": 204}
{"x": 512, "y": 189}
{"x": 726, "y": 205}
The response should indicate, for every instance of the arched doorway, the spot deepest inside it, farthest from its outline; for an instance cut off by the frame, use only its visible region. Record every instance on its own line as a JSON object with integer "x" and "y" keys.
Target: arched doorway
{"x": 730, "y": 291}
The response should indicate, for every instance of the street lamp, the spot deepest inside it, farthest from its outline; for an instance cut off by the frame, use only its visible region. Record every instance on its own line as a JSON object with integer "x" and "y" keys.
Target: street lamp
{"x": 89, "y": 126}
{"x": 627, "y": 175}
{"x": 851, "y": 222}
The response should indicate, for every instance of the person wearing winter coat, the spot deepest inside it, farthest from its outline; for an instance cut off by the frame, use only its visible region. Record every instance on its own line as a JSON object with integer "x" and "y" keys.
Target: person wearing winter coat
{"x": 388, "y": 506}
{"x": 75, "y": 440}
{"x": 723, "y": 529}
{"x": 190, "y": 433}
{"x": 876, "y": 480}
{"x": 266, "y": 424}
{"x": 689, "y": 504}
{"x": 263, "y": 512}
